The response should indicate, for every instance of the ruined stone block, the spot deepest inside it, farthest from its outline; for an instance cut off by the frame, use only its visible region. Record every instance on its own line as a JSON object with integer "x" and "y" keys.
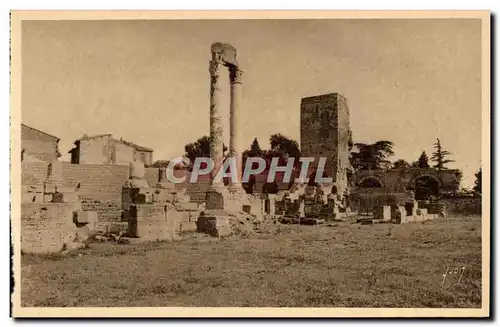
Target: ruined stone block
{"x": 65, "y": 197}
{"x": 137, "y": 170}
{"x": 32, "y": 197}
{"x": 407, "y": 219}
{"x": 137, "y": 195}
{"x": 186, "y": 206}
{"x": 247, "y": 208}
{"x": 41, "y": 241}
{"x": 143, "y": 211}
{"x": 151, "y": 232}
{"x": 193, "y": 216}
{"x": 161, "y": 195}
{"x": 419, "y": 218}
{"x": 214, "y": 200}
{"x": 214, "y": 223}
{"x": 42, "y": 215}
{"x": 87, "y": 217}
{"x": 188, "y": 227}
{"x": 257, "y": 208}
{"x": 102, "y": 227}
{"x": 174, "y": 215}
{"x": 422, "y": 212}
{"x": 432, "y": 216}
{"x": 386, "y": 213}
{"x": 117, "y": 227}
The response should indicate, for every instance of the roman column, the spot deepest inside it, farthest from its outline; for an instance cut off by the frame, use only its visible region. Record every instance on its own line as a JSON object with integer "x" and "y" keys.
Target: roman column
{"x": 216, "y": 125}
{"x": 235, "y": 150}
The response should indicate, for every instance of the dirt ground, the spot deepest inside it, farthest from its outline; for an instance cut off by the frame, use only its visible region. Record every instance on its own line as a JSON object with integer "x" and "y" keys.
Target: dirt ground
{"x": 342, "y": 265}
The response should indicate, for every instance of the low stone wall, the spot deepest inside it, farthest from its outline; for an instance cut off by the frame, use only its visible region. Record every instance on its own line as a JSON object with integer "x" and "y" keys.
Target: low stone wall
{"x": 46, "y": 227}
{"x": 366, "y": 203}
{"x": 162, "y": 221}
{"x": 463, "y": 205}
{"x": 107, "y": 210}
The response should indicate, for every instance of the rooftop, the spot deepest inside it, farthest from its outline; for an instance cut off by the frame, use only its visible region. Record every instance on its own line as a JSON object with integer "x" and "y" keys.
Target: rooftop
{"x": 136, "y": 146}
{"x": 323, "y": 96}
{"x": 131, "y": 144}
{"x": 40, "y": 131}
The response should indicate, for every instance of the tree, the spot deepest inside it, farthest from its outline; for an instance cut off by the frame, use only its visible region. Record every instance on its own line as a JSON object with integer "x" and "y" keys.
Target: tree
{"x": 199, "y": 148}
{"x": 255, "y": 149}
{"x": 284, "y": 146}
{"x": 372, "y": 156}
{"x": 253, "y": 152}
{"x": 423, "y": 161}
{"x": 477, "y": 183}
{"x": 160, "y": 164}
{"x": 439, "y": 156}
{"x": 400, "y": 163}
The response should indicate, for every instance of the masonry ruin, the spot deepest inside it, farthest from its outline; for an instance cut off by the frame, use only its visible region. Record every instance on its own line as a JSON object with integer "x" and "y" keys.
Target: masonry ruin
{"x": 65, "y": 204}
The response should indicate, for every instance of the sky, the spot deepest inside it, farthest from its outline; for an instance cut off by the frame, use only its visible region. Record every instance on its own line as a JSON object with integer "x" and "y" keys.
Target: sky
{"x": 407, "y": 81}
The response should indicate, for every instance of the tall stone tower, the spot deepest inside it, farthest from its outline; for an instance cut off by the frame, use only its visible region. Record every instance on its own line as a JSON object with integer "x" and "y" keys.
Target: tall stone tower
{"x": 325, "y": 132}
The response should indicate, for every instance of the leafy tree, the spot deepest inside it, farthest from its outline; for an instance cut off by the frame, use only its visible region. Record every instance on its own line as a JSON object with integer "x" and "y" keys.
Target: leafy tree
{"x": 400, "y": 163}
{"x": 423, "y": 161}
{"x": 477, "y": 182}
{"x": 425, "y": 187}
{"x": 199, "y": 148}
{"x": 439, "y": 156}
{"x": 254, "y": 151}
{"x": 284, "y": 146}
{"x": 372, "y": 156}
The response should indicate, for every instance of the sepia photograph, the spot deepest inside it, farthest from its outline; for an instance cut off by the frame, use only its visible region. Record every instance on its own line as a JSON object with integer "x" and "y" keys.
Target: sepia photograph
{"x": 250, "y": 163}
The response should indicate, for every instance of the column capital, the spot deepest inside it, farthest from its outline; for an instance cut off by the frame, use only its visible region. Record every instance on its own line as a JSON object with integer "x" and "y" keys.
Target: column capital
{"x": 214, "y": 68}
{"x": 236, "y": 75}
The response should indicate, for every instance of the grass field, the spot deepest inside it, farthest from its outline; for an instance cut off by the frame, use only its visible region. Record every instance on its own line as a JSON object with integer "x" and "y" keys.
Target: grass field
{"x": 345, "y": 265}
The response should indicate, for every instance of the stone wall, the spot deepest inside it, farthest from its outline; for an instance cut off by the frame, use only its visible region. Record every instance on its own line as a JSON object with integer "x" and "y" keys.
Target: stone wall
{"x": 99, "y": 185}
{"x": 368, "y": 202}
{"x": 34, "y": 173}
{"x": 45, "y": 227}
{"x": 463, "y": 205}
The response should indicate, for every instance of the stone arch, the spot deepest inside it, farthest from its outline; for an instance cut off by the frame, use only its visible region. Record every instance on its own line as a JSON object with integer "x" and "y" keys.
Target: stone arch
{"x": 370, "y": 181}
{"x": 424, "y": 175}
{"x": 425, "y": 186}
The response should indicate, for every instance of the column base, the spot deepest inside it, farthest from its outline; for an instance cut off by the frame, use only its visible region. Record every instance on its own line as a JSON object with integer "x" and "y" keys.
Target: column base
{"x": 236, "y": 188}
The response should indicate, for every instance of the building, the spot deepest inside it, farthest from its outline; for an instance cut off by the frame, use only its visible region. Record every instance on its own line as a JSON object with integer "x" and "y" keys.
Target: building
{"x": 104, "y": 149}
{"x": 38, "y": 146}
{"x": 325, "y": 132}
